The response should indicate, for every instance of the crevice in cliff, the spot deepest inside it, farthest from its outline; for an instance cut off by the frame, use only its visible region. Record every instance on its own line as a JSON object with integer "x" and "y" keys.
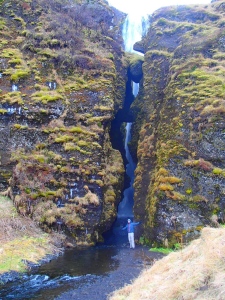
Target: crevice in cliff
{"x": 120, "y": 139}
{"x": 123, "y": 116}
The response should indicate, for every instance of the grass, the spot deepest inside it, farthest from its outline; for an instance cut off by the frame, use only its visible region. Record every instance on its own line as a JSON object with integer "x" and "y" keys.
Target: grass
{"x": 26, "y": 248}
{"x": 21, "y": 240}
{"x": 162, "y": 250}
{"x": 196, "y": 272}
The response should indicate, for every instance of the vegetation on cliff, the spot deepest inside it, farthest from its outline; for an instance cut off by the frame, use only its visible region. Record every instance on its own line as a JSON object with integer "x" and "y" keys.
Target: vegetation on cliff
{"x": 180, "y": 174}
{"x": 62, "y": 78}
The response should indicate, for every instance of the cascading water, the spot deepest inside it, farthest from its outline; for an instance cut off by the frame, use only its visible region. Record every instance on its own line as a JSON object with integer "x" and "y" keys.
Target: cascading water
{"x": 125, "y": 208}
{"x": 133, "y": 30}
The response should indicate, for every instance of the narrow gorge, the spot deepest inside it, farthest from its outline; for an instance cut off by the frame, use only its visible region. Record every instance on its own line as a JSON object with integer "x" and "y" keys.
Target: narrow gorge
{"x": 76, "y": 83}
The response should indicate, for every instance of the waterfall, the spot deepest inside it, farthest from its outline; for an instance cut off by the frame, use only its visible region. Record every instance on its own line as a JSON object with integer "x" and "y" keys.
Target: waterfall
{"x": 125, "y": 208}
{"x": 133, "y": 30}
{"x": 135, "y": 88}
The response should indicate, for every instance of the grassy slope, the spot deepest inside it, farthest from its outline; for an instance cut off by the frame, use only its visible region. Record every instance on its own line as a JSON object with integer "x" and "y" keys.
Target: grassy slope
{"x": 196, "y": 272}
{"x": 21, "y": 240}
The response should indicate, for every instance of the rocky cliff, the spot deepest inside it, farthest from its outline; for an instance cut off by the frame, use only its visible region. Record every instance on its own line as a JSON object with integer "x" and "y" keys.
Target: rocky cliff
{"x": 180, "y": 177}
{"x": 62, "y": 79}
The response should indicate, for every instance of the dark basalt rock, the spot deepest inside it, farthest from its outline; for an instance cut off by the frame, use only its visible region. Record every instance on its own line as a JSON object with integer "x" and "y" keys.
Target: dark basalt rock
{"x": 60, "y": 65}
{"x": 180, "y": 176}
{"x": 139, "y": 47}
{"x": 136, "y": 72}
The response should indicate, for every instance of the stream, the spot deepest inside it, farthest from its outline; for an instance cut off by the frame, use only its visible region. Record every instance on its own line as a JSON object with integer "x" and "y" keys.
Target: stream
{"x": 73, "y": 269}
{"x": 82, "y": 274}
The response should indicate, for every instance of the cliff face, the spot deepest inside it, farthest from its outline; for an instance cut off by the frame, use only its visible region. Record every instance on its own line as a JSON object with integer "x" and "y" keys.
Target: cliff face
{"x": 180, "y": 177}
{"x": 61, "y": 79}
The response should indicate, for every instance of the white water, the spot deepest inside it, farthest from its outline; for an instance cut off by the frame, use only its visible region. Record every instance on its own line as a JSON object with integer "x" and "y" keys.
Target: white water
{"x": 125, "y": 208}
{"x": 14, "y": 88}
{"x": 135, "y": 89}
{"x": 133, "y": 30}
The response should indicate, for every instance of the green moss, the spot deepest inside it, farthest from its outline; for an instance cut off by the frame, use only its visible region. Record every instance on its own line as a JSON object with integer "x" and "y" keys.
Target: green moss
{"x": 76, "y": 130}
{"x": 188, "y": 191}
{"x": 134, "y": 59}
{"x": 98, "y": 119}
{"x": 219, "y": 172}
{"x": 162, "y": 22}
{"x": 152, "y": 54}
{"x": 15, "y": 61}
{"x": 198, "y": 198}
{"x": 111, "y": 56}
{"x": 40, "y": 158}
{"x": 48, "y": 53}
{"x": 3, "y": 42}
{"x": 12, "y": 98}
{"x": 103, "y": 108}
{"x": 69, "y": 146}
{"x": 20, "y": 74}
{"x": 19, "y": 126}
{"x": 82, "y": 143}
{"x": 46, "y": 96}
{"x": 193, "y": 206}
{"x": 23, "y": 23}
{"x": 2, "y": 21}
{"x": 63, "y": 138}
{"x": 162, "y": 250}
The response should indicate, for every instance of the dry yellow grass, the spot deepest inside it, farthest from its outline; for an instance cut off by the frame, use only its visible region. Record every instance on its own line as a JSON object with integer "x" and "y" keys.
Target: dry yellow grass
{"x": 195, "y": 273}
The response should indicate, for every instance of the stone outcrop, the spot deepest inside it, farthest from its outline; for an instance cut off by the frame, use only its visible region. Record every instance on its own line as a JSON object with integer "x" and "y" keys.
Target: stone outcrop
{"x": 180, "y": 177}
{"x": 135, "y": 68}
{"x": 62, "y": 80}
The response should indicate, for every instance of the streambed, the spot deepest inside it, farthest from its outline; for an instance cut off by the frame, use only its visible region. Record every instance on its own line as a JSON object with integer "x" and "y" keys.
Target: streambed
{"x": 82, "y": 274}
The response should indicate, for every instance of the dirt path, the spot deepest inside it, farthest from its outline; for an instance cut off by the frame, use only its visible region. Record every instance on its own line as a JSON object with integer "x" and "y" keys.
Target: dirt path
{"x": 131, "y": 263}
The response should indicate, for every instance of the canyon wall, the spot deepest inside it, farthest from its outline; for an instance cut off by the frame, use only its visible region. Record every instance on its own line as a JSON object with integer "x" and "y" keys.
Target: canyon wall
{"x": 62, "y": 78}
{"x": 180, "y": 124}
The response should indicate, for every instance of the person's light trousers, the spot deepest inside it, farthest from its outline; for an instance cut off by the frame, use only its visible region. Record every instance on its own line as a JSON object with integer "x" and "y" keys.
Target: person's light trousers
{"x": 131, "y": 239}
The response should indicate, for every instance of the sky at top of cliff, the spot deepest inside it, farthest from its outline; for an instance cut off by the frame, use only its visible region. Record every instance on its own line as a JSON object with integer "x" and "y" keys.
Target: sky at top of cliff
{"x": 143, "y": 7}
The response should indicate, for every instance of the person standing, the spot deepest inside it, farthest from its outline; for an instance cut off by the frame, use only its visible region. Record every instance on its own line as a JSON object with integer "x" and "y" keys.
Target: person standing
{"x": 130, "y": 230}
